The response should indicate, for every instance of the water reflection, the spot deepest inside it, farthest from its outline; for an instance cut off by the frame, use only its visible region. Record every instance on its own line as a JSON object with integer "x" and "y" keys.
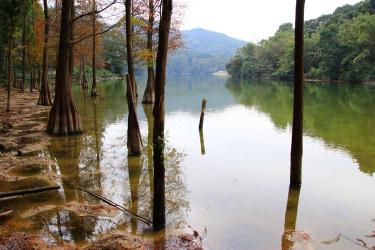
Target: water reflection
{"x": 340, "y": 114}
{"x": 98, "y": 161}
{"x": 237, "y": 189}
{"x": 291, "y": 212}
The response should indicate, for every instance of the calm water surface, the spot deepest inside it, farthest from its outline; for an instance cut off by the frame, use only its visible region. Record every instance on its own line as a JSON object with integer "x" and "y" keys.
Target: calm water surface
{"x": 233, "y": 179}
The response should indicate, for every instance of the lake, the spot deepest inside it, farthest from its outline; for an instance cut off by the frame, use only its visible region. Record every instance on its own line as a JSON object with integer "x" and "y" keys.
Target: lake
{"x": 233, "y": 179}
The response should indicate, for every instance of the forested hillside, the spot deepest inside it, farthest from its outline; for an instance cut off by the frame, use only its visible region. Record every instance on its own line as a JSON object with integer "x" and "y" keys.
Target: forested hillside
{"x": 339, "y": 46}
{"x": 203, "y": 52}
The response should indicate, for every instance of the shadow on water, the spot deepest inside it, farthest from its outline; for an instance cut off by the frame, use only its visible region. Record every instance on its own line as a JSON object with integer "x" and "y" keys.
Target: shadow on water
{"x": 337, "y": 113}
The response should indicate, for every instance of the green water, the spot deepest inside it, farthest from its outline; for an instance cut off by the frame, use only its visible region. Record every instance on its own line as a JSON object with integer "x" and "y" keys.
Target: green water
{"x": 236, "y": 184}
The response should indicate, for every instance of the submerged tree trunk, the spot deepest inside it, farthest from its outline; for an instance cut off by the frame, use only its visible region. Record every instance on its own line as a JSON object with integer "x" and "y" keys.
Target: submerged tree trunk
{"x": 10, "y": 45}
{"x": 22, "y": 85}
{"x": 297, "y": 131}
{"x": 94, "y": 91}
{"x": 44, "y": 93}
{"x": 129, "y": 47}
{"x": 159, "y": 116}
{"x": 134, "y": 135}
{"x": 149, "y": 94}
{"x": 64, "y": 118}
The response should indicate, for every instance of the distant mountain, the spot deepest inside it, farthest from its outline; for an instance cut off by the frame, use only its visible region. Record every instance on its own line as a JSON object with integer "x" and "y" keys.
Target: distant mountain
{"x": 204, "y": 52}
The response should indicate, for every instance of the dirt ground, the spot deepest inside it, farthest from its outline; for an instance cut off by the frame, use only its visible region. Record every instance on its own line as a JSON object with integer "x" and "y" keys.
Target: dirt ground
{"x": 23, "y": 141}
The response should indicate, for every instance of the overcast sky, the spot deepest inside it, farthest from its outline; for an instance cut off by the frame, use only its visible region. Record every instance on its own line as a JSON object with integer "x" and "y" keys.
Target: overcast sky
{"x": 251, "y": 20}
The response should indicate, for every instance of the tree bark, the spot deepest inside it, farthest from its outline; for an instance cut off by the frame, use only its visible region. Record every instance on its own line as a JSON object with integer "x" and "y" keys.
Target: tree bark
{"x": 129, "y": 47}
{"x": 22, "y": 85}
{"x": 44, "y": 93}
{"x": 297, "y": 130}
{"x": 94, "y": 91}
{"x": 159, "y": 116}
{"x": 10, "y": 45}
{"x": 64, "y": 118}
{"x": 149, "y": 94}
{"x": 71, "y": 48}
{"x": 134, "y": 135}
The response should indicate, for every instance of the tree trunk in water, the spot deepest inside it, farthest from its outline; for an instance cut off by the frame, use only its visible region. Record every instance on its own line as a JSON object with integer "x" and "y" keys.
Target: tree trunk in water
{"x": 129, "y": 47}
{"x": 150, "y": 125}
{"x": 44, "y": 93}
{"x": 94, "y": 91}
{"x": 297, "y": 131}
{"x": 64, "y": 118}
{"x": 149, "y": 94}
{"x": 134, "y": 135}
{"x": 201, "y": 120}
{"x": 22, "y": 85}
{"x": 159, "y": 116}
{"x": 291, "y": 212}
{"x": 84, "y": 76}
{"x": 9, "y": 73}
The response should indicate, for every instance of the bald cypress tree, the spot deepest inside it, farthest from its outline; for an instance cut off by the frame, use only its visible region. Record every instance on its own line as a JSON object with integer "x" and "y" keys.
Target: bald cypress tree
{"x": 159, "y": 116}
{"x": 64, "y": 118}
{"x": 129, "y": 44}
{"x": 44, "y": 94}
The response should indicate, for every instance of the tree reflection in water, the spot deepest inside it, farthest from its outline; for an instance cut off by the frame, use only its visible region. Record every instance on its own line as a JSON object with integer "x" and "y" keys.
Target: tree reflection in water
{"x": 98, "y": 163}
{"x": 291, "y": 212}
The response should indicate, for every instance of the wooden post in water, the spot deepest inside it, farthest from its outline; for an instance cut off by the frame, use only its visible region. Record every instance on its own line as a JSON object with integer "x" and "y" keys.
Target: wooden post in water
{"x": 204, "y": 102}
{"x": 134, "y": 135}
{"x": 201, "y": 136}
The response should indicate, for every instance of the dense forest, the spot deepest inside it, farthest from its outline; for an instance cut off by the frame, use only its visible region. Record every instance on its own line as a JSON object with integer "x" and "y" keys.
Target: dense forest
{"x": 339, "y": 46}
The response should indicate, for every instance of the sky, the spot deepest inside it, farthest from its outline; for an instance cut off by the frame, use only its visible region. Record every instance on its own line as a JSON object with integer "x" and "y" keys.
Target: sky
{"x": 251, "y": 20}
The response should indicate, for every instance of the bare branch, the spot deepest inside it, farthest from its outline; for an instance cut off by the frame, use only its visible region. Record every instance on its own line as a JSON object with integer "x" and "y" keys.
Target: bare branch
{"x": 93, "y": 12}
{"x": 97, "y": 34}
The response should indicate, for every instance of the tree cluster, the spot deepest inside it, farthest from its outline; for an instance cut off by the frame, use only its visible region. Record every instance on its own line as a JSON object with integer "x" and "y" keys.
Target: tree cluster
{"x": 339, "y": 46}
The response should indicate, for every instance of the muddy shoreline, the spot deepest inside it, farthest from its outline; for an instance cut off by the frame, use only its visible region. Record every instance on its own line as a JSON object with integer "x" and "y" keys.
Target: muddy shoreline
{"x": 25, "y": 163}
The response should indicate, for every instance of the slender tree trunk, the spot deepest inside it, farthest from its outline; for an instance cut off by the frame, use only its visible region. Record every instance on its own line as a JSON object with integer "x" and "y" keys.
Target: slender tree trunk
{"x": 84, "y": 76}
{"x": 10, "y": 45}
{"x": 22, "y": 85}
{"x": 297, "y": 131}
{"x": 159, "y": 116}
{"x": 149, "y": 94}
{"x": 129, "y": 47}
{"x": 64, "y": 118}
{"x": 44, "y": 93}
{"x": 94, "y": 91}
{"x": 32, "y": 76}
{"x": 134, "y": 135}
